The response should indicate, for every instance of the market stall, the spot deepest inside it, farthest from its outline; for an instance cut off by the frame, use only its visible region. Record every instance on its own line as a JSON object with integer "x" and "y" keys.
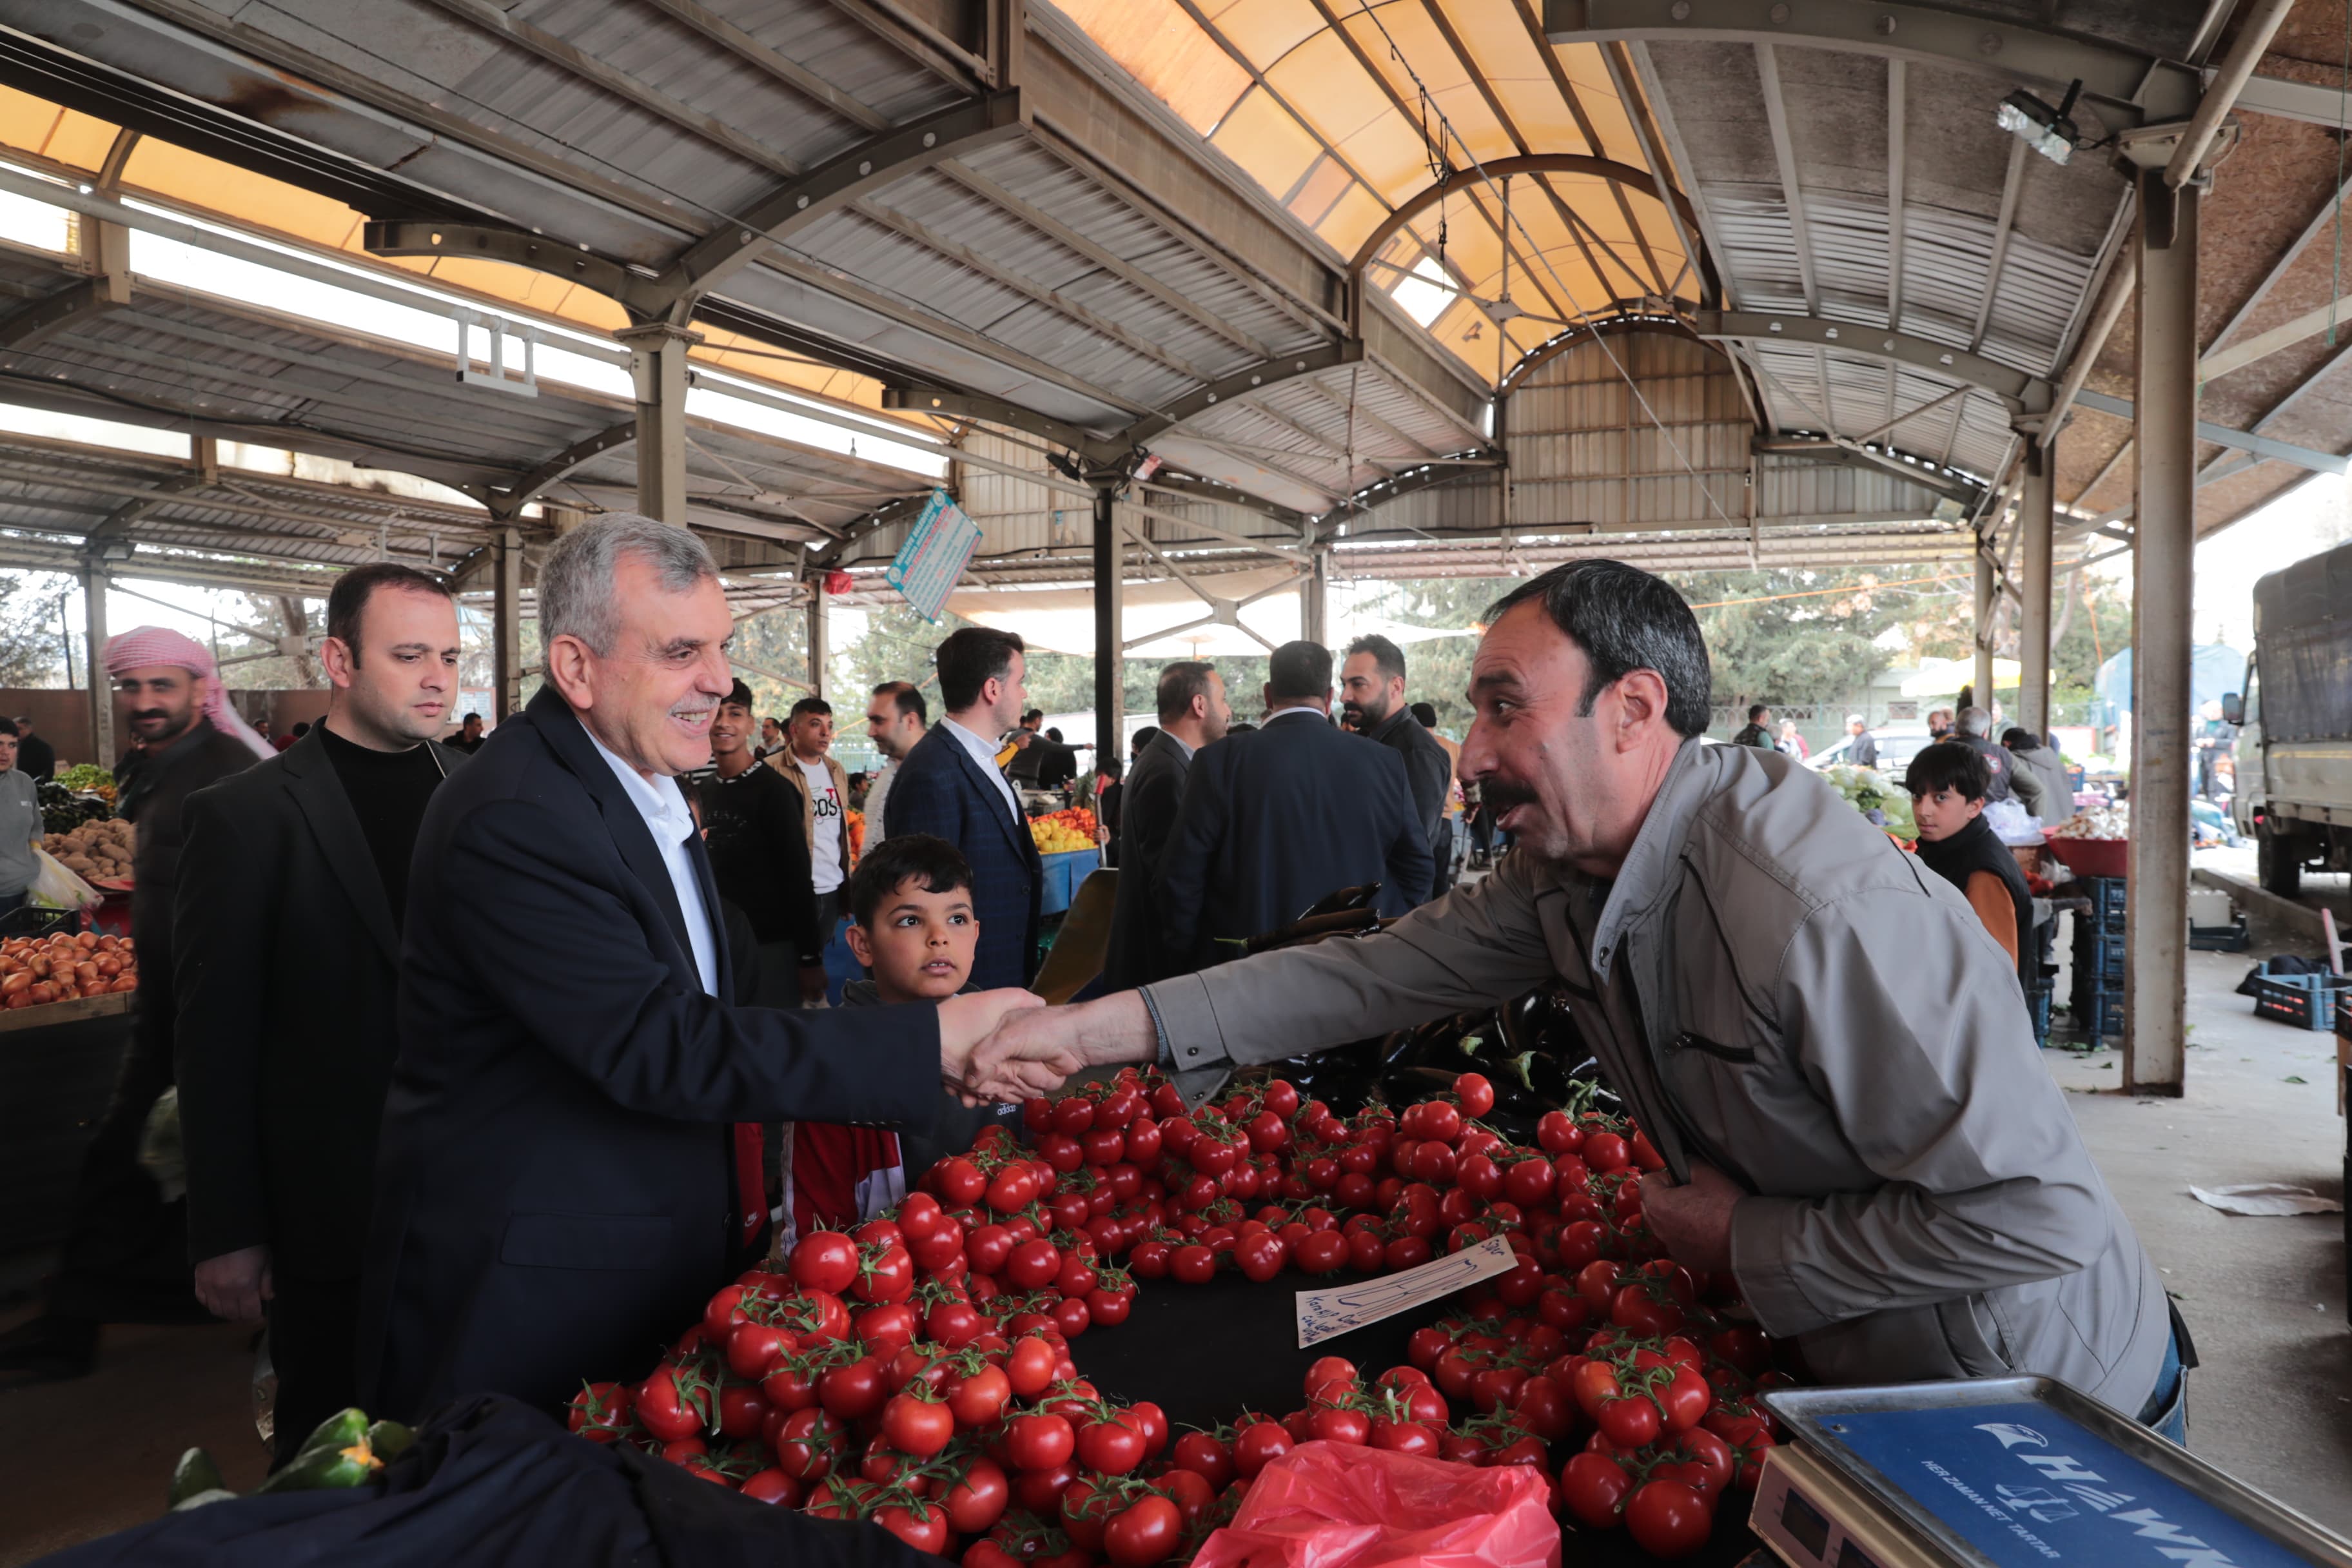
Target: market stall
{"x": 977, "y": 1378}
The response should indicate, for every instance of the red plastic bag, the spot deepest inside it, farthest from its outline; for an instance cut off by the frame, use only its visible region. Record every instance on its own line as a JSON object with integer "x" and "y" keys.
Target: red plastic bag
{"x": 1335, "y": 1505}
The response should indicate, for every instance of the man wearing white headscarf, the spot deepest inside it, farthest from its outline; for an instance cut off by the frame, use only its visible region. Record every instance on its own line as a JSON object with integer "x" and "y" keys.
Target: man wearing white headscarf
{"x": 126, "y": 1256}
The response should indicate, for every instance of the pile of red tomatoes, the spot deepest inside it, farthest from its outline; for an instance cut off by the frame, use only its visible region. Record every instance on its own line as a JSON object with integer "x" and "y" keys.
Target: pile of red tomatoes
{"x": 917, "y": 1370}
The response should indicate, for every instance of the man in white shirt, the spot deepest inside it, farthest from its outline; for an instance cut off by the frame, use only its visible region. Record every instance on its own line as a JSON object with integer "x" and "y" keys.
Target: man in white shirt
{"x": 896, "y": 717}
{"x": 808, "y": 766}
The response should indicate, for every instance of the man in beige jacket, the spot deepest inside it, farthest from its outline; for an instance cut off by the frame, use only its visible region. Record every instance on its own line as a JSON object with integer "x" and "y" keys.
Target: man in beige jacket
{"x": 1821, "y": 1039}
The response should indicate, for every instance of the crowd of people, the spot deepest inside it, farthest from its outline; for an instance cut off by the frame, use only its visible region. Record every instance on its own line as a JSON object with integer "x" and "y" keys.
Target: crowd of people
{"x": 491, "y": 1066}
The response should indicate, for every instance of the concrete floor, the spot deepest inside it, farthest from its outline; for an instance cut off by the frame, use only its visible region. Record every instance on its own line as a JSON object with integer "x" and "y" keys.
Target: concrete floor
{"x": 2264, "y": 1297}
{"x": 83, "y": 1459}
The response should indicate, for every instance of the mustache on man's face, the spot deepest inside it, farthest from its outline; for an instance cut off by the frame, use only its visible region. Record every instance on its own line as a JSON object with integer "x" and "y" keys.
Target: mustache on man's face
{"x": 139, "y": 713}
{"x": 1501, "y": 795}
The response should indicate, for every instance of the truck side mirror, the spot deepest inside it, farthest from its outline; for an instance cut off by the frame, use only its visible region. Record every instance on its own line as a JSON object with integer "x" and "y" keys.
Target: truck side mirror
{"x": 2233, "y": 708}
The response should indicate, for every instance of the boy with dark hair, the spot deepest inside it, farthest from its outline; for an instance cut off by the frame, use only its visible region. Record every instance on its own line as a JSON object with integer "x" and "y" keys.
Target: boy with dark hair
{"x": 912, "y": 925}
{"x": 1947, "y": 783}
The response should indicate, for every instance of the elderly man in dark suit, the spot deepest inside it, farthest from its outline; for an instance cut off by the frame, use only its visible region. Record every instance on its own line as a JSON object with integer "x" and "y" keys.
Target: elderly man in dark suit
{"x": 291, "y": 891}
{"x": 949, "y": 786}
{"x": 1193, "y": 713}
{"x": 1276, "y": 818}
{"x": 558, "y": 1187}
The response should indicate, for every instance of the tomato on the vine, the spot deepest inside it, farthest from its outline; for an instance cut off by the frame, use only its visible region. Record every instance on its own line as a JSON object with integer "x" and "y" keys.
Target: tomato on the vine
{"x": 1205, "y": 1454}
{"x": 1667, "y": 1519}
{"x": 1038, "y": 1441}
{"x": 824, "y": 1260}
{"x": 1147, "y": 1531}
{"x": 1594, "y": 1489}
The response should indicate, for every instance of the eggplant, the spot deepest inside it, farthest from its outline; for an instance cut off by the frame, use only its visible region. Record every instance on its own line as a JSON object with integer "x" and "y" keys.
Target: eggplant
{"x": 1314, "y": 927}
{"x": 1356, "y": 898}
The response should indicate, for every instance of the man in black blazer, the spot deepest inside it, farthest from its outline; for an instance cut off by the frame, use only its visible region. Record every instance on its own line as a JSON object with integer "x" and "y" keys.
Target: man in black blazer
{"x": 1275, "y": 819}
{"x": 1371, "y": 689}
{"x": 557, "y": 1188}
{"x": 288, "y": 936}
{"x": 1193, "y": 713}
{"x": 949, "y": 786}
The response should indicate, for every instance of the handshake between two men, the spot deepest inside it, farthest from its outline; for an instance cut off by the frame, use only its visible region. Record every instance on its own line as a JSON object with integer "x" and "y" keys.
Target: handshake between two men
{"x": 1009, "y": 1045}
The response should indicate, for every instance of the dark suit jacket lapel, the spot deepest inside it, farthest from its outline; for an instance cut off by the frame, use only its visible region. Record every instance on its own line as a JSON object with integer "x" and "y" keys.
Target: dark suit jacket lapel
{"x": 311, "y": 779}
{"x": 623, "y": 820}
{"x": 1015, "y": 835}
{"x": 703, "y": 880}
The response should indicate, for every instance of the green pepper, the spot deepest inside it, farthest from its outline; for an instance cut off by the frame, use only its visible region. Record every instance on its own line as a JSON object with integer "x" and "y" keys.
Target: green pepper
{"x": 195, "y": 1473}
{"x": 341, "y": 1430}
{"x": 323, "y": 1468}
{"x": 389, "y": 1439}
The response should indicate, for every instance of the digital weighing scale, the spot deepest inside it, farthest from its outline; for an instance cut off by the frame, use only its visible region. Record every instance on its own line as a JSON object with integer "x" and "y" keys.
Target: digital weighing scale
{"x": 2017, "y": 1472}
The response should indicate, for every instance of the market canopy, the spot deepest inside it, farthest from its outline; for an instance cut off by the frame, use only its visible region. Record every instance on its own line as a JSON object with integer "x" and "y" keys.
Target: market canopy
{"x": 1712, "y": 292}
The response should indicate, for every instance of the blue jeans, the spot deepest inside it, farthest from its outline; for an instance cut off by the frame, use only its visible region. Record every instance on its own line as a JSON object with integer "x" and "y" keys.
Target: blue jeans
{"x": 11, "y": 903}
{"x": 2171, "y": 1392}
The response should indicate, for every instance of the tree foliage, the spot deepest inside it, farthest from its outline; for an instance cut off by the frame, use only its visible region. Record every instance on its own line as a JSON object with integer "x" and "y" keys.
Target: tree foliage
{"x": 33, "y": 630}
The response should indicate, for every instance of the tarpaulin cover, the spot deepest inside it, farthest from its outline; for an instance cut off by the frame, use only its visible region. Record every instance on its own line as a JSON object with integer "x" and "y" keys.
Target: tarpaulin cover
{"x": 1331, "y": 1505}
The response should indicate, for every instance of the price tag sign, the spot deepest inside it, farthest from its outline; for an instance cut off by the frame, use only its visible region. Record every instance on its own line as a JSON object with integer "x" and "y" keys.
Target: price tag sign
{"x": 1326, "y": 1314}
{"x": 938, "y": 548}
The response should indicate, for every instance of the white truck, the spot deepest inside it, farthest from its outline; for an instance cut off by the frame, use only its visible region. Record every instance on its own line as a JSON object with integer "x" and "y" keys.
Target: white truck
{"x": 2293, "y": 752}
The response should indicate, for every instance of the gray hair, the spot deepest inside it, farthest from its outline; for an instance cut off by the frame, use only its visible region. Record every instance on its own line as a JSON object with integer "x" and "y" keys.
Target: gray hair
{"x": 1974, "y": 721}
{"x": 575, "y": 581}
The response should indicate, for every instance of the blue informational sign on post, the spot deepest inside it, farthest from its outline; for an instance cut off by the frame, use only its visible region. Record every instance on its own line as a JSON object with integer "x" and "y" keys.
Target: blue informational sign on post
{"x": 930, "y": 562}
{"x": 2030, "y": 1487}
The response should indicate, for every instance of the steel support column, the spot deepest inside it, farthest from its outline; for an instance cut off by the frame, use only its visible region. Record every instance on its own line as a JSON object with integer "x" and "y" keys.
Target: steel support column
{"x": 2035, "y": 518}
{"x": 101, "y": 690}
{"x": 1315, "y": 598}
{"x": 820, "y": 639}
{"x": 1982, "y": 680}
{"x": 2164, "y": 540}
{"x": 506, "y": 624}
{"x": 1110, "y": 599}
{"x": 657, "y": 364}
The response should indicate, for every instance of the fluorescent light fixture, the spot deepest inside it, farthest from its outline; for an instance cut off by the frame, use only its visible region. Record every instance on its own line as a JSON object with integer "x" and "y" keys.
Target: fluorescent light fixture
{"x": 2049, "y": 132}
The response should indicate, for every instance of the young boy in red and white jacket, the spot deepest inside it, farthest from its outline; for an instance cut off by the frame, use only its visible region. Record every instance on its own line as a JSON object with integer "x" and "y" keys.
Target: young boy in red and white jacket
{"x": 912, "y": 926}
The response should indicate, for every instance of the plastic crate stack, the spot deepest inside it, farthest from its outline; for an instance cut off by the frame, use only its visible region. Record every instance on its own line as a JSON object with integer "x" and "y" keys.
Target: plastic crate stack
{"x": 2097, "y": 1001}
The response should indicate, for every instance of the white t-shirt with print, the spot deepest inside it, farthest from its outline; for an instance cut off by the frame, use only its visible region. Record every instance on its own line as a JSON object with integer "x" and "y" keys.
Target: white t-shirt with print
{"x": 824, "y": 829}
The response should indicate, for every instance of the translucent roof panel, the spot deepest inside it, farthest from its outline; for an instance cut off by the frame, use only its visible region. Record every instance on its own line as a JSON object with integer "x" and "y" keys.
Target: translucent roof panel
{"x": 1345, "y": 111}
{"x": 39, "y": 132}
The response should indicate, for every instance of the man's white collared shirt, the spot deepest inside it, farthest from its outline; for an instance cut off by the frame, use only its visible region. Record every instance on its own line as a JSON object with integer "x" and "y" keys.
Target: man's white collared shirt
{"x": 667, "y": 818}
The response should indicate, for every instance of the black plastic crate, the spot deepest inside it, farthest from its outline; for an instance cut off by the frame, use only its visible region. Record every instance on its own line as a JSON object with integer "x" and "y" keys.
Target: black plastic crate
{"x": 27, "y": 920}
{"x": 2106, "y": 896}
{"x": 2102, "y": 961}
{"x": 2302, "y": 1001}
{"x": 2099, "y": 1016}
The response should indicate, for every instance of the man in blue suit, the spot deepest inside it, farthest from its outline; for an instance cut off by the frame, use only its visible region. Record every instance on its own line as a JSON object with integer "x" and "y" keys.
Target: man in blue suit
{"x": 950, "y": 786}
{"x": 1278, "y": 817}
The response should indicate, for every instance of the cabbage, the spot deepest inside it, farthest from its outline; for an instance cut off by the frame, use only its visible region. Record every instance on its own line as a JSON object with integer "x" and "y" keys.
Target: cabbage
{"x": 1868, "y": 790}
